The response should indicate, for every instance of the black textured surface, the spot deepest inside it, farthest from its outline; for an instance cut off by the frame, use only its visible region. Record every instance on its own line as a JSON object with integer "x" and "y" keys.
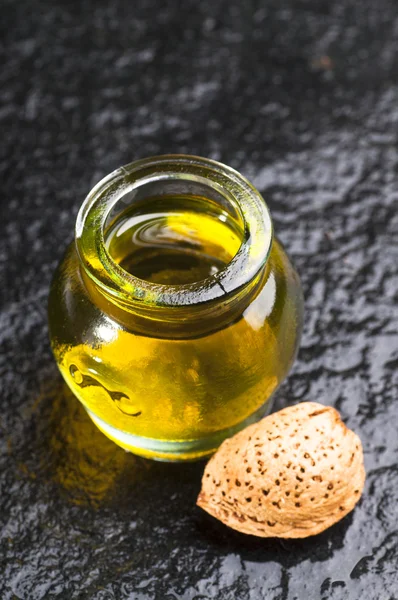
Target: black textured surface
{"x": 301, "y": 97}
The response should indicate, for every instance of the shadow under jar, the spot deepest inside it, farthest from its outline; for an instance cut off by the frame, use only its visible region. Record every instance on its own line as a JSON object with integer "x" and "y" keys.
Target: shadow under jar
{"x": 174, "y": 314}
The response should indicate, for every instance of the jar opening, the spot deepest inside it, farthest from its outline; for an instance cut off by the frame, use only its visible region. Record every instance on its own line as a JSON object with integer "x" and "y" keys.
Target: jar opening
{"x": 173, "y": 231}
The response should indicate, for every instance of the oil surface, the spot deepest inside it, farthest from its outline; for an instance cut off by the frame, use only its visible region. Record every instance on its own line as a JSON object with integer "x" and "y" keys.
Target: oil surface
{"x": 173, "y": 246}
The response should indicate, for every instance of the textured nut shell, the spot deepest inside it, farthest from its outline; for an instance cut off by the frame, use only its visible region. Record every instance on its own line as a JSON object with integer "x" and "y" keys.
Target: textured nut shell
{"x": 292, "y": 475}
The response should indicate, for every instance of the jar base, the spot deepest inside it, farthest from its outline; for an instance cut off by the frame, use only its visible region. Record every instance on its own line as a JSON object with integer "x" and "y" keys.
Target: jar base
{"x": 175, "y": 451}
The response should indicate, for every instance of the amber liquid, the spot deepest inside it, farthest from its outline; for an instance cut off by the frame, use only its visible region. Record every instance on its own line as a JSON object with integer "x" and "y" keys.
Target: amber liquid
{"x": 165, "y": 388}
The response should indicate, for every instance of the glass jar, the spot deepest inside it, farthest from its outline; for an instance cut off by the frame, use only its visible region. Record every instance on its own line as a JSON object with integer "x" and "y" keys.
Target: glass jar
{"x": 175, "y": 313}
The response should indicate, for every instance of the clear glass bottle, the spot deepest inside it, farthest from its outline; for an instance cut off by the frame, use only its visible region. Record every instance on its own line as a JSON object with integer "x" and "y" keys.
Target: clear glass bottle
{"x": 175, "y": 313}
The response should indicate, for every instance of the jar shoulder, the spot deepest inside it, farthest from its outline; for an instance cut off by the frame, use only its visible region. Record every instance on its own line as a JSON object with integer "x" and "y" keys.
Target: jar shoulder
{"x": 279, "y": 302}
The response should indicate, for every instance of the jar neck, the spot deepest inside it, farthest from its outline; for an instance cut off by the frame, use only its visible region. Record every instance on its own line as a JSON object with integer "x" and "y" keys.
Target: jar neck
{"x": 173, "y": 308}
{"x": 180, "y": 322}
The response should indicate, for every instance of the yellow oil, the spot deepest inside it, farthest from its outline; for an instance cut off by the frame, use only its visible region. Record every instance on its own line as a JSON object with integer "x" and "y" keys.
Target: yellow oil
{"x": 164, "y": 388}
{"x": 176, "y": 246}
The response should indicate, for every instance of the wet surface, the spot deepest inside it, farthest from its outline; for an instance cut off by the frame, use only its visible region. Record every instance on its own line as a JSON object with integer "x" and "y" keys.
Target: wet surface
{"x": 302, "y": 98}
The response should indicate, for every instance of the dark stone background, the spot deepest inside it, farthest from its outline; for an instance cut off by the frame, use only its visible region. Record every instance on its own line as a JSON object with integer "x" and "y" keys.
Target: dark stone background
{"x": 300, "y": 96}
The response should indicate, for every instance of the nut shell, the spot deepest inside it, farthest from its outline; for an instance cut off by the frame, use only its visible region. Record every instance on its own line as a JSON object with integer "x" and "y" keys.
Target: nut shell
{"x": 291, "y": 475}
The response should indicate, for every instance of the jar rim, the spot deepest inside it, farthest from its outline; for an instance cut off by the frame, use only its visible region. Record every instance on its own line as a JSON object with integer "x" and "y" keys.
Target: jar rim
{"x": 129, "y": 289}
